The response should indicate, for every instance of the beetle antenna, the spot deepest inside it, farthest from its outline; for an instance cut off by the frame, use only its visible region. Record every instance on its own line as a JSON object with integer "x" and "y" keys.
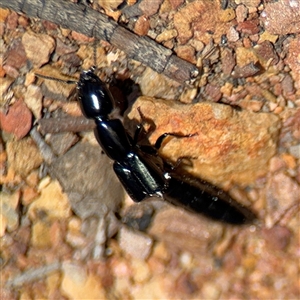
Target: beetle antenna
{"x": 93, "y": 68}
{"x": 56, "y": 79}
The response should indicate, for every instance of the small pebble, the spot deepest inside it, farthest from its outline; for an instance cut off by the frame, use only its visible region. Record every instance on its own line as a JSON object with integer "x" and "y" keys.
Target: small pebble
{"x": 52, "y": 201}
{"x": 32, "y": 42}
{"x": 33, "y": 99}
{"x": 77, "y": 283}
{"x": 135, "y": 243}
{"x": 23, "y": 156}
{"x": 9, "y": 214}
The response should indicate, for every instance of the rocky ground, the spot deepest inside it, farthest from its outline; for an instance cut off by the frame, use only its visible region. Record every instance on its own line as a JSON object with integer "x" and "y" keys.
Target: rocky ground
{"x": 69, "y": 231}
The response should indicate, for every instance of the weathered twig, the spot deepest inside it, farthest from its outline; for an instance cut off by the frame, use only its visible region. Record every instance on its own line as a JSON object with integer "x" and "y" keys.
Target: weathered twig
{"x": 33, "y": 275}
{"x": 66, "y": 124}
{"x": 47, "y": 153}
{"x": 89, "y": 22}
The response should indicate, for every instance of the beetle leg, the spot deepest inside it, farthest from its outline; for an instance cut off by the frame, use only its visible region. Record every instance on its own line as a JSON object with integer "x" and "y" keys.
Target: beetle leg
{"x": 160, "y": 140}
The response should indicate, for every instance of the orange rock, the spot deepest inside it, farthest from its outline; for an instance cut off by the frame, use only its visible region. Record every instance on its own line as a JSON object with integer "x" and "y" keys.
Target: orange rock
{"x": 29, "y": 194}
{"x": 187, "y": 53}
{"x": 202, "y": 19}
{"x": 142, "y": 26}
{"x": 52, "y": 201}
{"x": 41, "y": 236}
{"x": 77, "y": 283}
{"x": 3, "y": 14}
{"x": 227, "y": 145}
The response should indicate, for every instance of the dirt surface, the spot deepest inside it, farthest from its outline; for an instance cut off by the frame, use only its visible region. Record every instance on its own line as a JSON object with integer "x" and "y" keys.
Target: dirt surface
{"x": 69, "y": 231}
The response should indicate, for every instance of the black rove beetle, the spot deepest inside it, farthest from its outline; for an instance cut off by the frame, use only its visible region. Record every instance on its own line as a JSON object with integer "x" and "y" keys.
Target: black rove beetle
{"x": 139, "y": 174}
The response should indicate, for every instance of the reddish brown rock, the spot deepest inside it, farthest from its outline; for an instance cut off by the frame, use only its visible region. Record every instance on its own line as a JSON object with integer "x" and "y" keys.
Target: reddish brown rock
{"x": 228, "y": 61}
{"x": 150, "y": 7}
{"x": 228, "y": 145}
{"x": 62, "y": 48}
{"x": 142, "y": 26}
{"x": 287, "y": 85}
{"x": 12, "y": 21}
{"x": 277, "y": 237}
{"x": 176, "y": 3}
{"x": 249, "y": 26}
{"x": 186, "y": 52}
{"x": 16, "y": 56}
{"x": 49, "y": 25}
{"x": 293, "y": 61}
{"x": 295, "y": 125}
{"x": 282, "y": 193}
{"x": 266, "y": 54}
{"x": 81, "y": 38}
{"x": 282, "y": 17}
{"x": 18, "y": 119}
{"x": 213, "y": 92}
